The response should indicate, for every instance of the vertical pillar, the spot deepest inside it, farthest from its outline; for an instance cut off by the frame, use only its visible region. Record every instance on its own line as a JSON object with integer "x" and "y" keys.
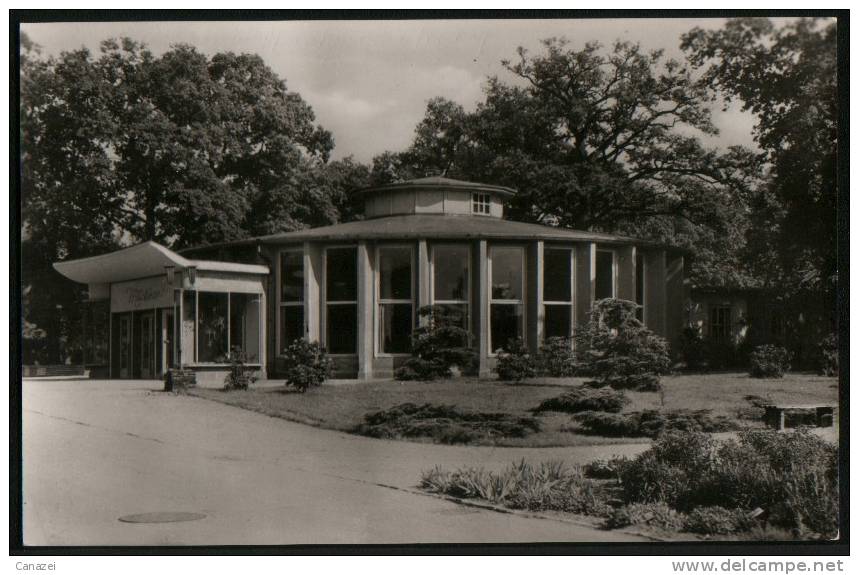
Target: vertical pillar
{"x": 423, "y": 275}
{"x": 585, "y": 280}
{"x": 313, "y": 265}
{"x": 654, "y": 291}
{"x": 365, "y": 312}
{"x": 534, "y": 296}
{"x": 675, "y": 298}
{"x": 626, "y": 273}
{"x": 482, "y": 280}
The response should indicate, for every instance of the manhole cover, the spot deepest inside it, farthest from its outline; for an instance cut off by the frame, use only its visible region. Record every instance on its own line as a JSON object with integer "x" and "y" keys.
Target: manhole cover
{"x": 162, "y": 517}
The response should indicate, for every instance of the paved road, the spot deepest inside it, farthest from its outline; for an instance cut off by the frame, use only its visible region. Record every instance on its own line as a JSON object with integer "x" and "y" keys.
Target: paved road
{"x": 98, "y": 450}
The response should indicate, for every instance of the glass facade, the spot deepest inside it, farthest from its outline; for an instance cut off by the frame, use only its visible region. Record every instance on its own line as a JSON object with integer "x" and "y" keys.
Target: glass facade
{"x": 212, "y": 327}
{"x": 450, "y": 282}
{"x": 557, "y": 292}
{"x": 605, "y": 275}
{"x": 506, "y": 315}
{"x": 291, "y": 316}
{"x": 341, "y": 300}
{"x": 396, "y": 306}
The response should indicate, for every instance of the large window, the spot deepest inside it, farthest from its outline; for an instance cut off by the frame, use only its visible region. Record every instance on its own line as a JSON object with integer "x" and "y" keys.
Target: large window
{"x": 216, "y": 323}
{"x": 505, "y": 304}
{"x": 291, "y": 297}
{"x": 212, "y": 328}
{"x": 451, "y": 271}
{"x": 341, "y": 300}
{"x": 396, "y": 307}
{"x": 605, "y": 278}
{"x": 557, "y": 292}
{"x": 639, "y": 285}
{"x": 720, "y": 322}
{"x": 245, "y": 324}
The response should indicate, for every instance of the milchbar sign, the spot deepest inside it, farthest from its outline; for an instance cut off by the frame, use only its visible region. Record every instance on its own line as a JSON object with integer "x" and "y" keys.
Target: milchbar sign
{"x": 141, "y": 294}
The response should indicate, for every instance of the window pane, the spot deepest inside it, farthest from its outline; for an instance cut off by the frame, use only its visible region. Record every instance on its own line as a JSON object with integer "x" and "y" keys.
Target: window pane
{"x": 341, "y": 270}
{"x": 450, "y": 267}
{"x": 245, "y": 324}
{"x": 458, "y": 314}
{"x": 557, "y": 275}
{"x": 506, "y": 273}
{"x": 395, "y": 273}
{"x": 291, "y": 324}
{"x": 639, "y": 285}
{"x": 605, "y": 275}
{"x": 342, "y": 328}
{"x": 557, "y": 321}
{"x": 505, "y": 324}
{"x": 212, "y": 327}
{"x": 189, "y": 326}
{"x": 292, "y": 276}
{"x": 395, "y": 327}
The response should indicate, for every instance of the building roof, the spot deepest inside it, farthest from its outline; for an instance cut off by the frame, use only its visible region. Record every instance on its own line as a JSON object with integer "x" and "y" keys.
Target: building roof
{"x": 434, "y": 183}
{"x": 141, "y": 260}
{"x": 438, "y": 227}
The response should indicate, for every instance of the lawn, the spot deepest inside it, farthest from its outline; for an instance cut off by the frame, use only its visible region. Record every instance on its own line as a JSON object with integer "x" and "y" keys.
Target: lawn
{"x": 343, "y": 406}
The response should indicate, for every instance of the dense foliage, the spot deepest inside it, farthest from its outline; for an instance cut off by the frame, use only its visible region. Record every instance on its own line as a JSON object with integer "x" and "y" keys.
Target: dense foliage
{"x": 586, "y": 399}
{"x": 557, "y": 358}
{"x": 617, "y": 350}
{"x": 439, "y": 344}
{"x": 652, "y": 422}
{"x": 769, "y": 361}
{"x": 515, "y": 362}
{"x": 305, "y": 364}
{"x": 239, "y": 374}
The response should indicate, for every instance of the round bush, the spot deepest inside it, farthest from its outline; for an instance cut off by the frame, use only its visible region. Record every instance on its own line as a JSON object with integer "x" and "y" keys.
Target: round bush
{"x": 586, "y": 399}
{"x": 769, "y": 361}
{"x": 305, "y": 363}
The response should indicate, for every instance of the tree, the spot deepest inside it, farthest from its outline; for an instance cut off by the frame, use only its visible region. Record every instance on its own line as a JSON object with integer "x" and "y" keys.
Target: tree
{"x": 180, "y": 148}
{"x": 596, "y": 140}
{"x": 787, "y": 77}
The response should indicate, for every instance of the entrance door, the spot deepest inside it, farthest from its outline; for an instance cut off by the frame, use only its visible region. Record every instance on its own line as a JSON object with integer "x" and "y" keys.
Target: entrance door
{"x": 167, "y": 328}
{"x": 147, "y": 346}
{"x": 125, "y": 346}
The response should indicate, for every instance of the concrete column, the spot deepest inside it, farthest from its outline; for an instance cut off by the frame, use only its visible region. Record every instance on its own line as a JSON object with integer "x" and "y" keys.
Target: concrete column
{"x": 313, "y": 265}
{"x": 626, "y": 273}
{"x": 365, "y": 312}
{"x": 585, "y": 281}
{"x": 675, "y": 297}
{"x": 482, "y": 307}
{"x": 654, "y": 291}
{"x": 423, "y": 271}
{"x": 534, "y": 297}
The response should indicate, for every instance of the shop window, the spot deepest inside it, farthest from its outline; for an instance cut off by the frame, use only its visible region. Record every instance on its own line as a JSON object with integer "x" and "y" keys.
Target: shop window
{"x": 506, "y": 310}
{"x": 451, "y": 271}
{"x": 291, "y": 315}
{"x": 720, "y": 322}
{"x": 245, "y": 324}
{"x": 557, "y": 292}
{"x": 396, "y": 307}
{"x": 480, "y": 204}
{"x": 212, "y": 328}
{"x": 189, "y": 326}
{"x": 639, "y": 285}
{"x": 341, "y": 300}
{"x": 605, "y": 275}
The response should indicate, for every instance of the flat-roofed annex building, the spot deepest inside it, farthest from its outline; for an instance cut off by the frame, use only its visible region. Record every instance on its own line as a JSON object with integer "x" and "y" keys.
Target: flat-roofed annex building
{"x": 356, "y": 287}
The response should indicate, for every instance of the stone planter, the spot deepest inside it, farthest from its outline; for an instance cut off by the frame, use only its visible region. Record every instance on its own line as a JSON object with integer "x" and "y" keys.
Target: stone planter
{"x": 179, "y": 379}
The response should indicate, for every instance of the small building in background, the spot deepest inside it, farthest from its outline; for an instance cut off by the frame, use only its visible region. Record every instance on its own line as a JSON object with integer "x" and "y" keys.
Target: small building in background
{"x": 356, "y": 287}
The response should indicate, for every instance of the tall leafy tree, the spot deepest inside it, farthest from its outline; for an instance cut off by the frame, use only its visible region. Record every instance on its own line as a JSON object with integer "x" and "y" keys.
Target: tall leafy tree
{"x": 787, "y": 77}
{"x": 596, "y": 139}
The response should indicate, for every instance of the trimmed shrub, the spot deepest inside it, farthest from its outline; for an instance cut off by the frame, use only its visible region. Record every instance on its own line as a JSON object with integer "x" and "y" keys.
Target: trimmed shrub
{"x": 444, "y": 424}
{"x": 769, "y": 361}
{"x": 653, "y": 515}
{"x": 439, "y": 344}
{"x": 828, "y": 356}
{"x": 586, "y": 399}
{"x": 693, "y": 349}
{"x": 793, "y": 477}
{"x": 617, "y": 350}
{"x": 549, "y": 486}
{"x": 557, "y": 358}
{"x": 652, "y": 422}
{"x": 306, "y": 364}
{"x": 515, "y": 362}
{"x": 716, "y": 520}
{"x": 605, "y": 468}
{"x": 239, "y": 375}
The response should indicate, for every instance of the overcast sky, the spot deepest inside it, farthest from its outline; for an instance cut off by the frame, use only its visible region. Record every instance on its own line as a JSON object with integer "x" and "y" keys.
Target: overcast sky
{"x": 368, "y": 81}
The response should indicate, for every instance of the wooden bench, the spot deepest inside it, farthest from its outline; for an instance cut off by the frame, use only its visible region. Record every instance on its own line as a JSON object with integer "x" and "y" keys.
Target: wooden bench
{"x": 786, "y": 416}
